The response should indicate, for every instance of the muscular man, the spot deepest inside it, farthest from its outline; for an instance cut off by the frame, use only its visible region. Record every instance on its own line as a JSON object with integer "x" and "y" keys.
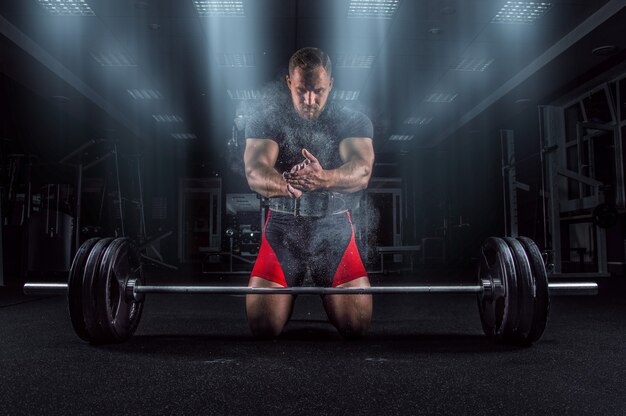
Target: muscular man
{"x": 311, "y": 158}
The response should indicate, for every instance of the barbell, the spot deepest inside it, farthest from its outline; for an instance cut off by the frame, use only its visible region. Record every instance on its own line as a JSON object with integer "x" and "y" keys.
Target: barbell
{"x": 106, "y": 290}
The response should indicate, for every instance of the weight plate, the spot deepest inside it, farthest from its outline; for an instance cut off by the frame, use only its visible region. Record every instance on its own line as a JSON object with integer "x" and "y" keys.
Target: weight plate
{"x": 74, "y": 288}
{"x": 526, "y": 293}
{"x": 498, "y": 313}
{"x": 117, "y": 315}
{"x": 542, "y": 295}
{"x": 95, "y": 333}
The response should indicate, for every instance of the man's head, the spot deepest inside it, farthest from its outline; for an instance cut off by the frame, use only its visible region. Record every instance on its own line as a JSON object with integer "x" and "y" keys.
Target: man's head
{"x": 309, "y": 81}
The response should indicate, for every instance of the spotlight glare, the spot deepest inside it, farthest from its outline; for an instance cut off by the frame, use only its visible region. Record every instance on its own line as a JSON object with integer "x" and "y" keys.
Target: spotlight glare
{"x": 401, "y": 137}
{"x": 184, "y": 136}
{"x": 238, "y": 60}
{"x": 145, "y": 94}
{"x": 244, "y": 94}
{"x": 441, "y": 97}
{"x": 377, "y": 9}
{"x": 474, "y": 64}
{"x": 67, "y": 7}
{"x": 116, "y": 59}
{"x": 354, "y": 61}
{"x": 418, "y": 120}
{"x": 521, "y": 12}
{"x": 345, "y": 95}
{"x": 219, "y": 8}
{"x": 167, "y": 118}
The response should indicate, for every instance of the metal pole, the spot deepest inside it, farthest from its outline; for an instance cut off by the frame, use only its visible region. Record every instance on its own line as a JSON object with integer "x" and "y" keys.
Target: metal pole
{"x": 582, "y": 288}
{"x": 232, "y": 290}
{"x": 142, "y": 218}
{"x": 78, "y": 205}
{"x": 543, "y": 178}
{"x": 504, "y": 194}
{"x": 119, "y": 188}
{"x": 77, "y": 151}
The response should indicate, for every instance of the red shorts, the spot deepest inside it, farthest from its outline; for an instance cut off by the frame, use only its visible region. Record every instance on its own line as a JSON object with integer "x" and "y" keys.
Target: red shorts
{"x": 324, "y": 247}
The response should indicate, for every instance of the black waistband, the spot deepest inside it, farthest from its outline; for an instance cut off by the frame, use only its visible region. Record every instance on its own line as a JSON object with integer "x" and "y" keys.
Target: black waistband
{"x": 313, "y": 204}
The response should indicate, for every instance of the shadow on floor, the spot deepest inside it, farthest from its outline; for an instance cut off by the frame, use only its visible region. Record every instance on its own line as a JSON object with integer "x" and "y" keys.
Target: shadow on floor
{"x": 309, "y": 341}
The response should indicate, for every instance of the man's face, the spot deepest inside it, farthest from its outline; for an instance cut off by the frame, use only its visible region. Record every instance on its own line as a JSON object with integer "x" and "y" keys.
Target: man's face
{"x": 309, "y": 91}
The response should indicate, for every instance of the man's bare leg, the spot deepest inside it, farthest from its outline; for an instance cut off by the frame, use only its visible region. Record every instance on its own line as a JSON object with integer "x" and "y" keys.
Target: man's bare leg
{"x": 267, "y": 314}
{"x": 350, "y": 314}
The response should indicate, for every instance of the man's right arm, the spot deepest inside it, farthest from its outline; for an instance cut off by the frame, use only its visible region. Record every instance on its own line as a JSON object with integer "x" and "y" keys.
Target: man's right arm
{"x": 259, "y": 158}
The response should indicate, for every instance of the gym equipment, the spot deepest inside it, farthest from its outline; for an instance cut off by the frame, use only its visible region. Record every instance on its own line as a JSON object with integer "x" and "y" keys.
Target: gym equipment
{"x": 106, "y": 290}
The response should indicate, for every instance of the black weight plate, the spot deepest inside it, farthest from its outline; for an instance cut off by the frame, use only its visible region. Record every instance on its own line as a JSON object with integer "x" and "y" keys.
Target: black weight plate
{"x": 498, "y": 315}
{"x": 75, "y": 288}
{"x": 100, "y": 288}
{"x": 118, "y": 315}
{"x": 90, "y": 274}
{"x": 526, "y": 293}
{"x": 124, "y": 316}
{"x": 542, "y": 295}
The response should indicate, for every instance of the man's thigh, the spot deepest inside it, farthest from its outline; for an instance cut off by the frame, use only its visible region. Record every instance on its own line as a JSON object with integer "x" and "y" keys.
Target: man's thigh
{"x": 351, "y": 309}
{"x": 276, "y": 308}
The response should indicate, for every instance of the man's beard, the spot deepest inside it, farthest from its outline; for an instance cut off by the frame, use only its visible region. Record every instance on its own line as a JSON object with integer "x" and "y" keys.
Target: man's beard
{"x": 310, "y": 112}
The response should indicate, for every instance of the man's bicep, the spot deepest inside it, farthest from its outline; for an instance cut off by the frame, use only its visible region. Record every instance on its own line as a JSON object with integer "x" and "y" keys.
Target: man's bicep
{"x": 357, "y": 148}
{"x": 260, "y": 152}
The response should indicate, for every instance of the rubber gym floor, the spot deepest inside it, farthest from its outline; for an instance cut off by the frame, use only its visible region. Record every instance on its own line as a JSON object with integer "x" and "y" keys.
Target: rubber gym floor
{"x": 424, "y": 354}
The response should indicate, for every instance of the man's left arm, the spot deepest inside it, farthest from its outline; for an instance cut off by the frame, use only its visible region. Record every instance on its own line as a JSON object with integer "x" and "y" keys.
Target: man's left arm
{"x": 353, "y": 175}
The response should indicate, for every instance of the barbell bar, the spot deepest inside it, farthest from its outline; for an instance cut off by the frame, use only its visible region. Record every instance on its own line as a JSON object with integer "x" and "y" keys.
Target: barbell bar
{"x": 106, "y": 290}
{"x": 561, "y": 288}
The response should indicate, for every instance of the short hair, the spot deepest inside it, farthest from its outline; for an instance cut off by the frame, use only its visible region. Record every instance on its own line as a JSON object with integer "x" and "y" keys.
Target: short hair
{"x": 308, "y": 59}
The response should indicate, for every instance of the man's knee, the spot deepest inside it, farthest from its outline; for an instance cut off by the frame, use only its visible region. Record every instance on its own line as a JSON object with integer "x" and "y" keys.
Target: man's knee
{"x": 268, "y": 314}
{"x": 351, "y": 317}
{"x": 265, "y": 328}
{"x": 352, "y": 327}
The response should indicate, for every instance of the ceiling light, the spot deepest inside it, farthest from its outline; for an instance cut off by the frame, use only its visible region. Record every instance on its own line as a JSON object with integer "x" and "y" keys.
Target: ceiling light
{"x": 112, "y": 59}
{"x": 145, "y": 94}
{"x": 238, "y": 60}
{"x": 473, "y": 64}
{"x": 167, "y": 118}
{"x": 219, "y": 8}
{"x": 521, "y": 11}
{"x": 605, "y": 50}
{"x": 441, "y": 97}
{"x": 381, "y": 9}
{"x": 401, "y": 137}
{"x": 421, "y": 121}
{"x": 524, "y": 101}
{"x": 345, "y": 95}
{"x": 184, "y": 136}
{"x": 67, "y": 7}
{"x": 244, "y": 94}
{"x": 354, "y": 61}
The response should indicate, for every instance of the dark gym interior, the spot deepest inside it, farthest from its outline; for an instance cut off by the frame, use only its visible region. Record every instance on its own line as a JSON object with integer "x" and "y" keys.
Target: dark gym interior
{"x": 126, "y": 120}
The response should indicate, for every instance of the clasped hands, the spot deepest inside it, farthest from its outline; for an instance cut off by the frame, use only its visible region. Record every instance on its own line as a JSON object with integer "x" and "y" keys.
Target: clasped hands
{"x": 305, "y": 176}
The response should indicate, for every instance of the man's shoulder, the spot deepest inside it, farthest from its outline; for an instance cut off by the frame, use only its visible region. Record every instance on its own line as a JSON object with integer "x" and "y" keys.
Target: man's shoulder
{"x": 265, "y": 122}
{"x": 353, "y": 123}
{"x": 347, "y": 113}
